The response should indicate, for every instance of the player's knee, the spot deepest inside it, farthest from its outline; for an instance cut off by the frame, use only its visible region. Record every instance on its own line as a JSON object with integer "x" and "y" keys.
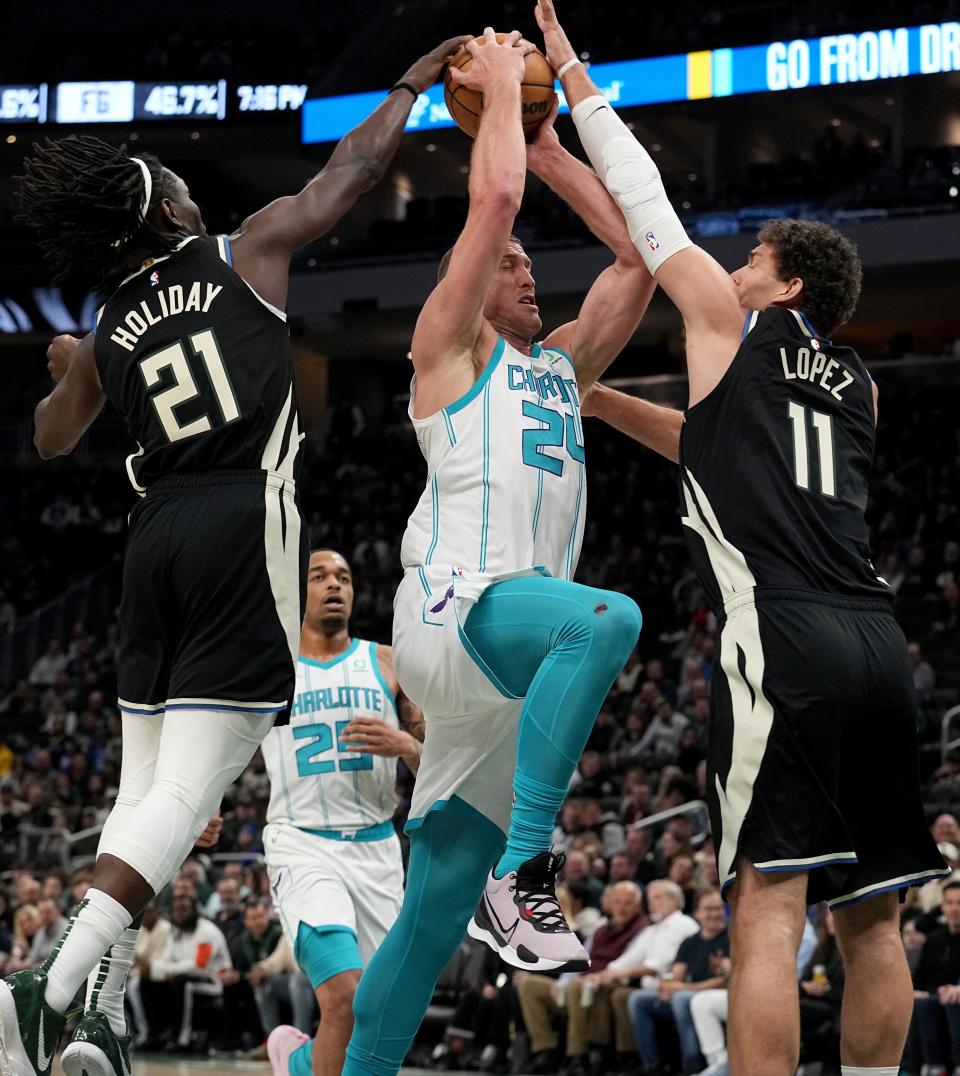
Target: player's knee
{"x": 335, "y": 995}
{"x": 616, "y": 622}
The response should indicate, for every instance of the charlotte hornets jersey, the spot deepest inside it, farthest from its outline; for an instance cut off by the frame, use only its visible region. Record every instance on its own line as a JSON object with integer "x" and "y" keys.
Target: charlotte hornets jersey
{"x": 774, "y": 467}
{"x": 506, "y": 483}
{"x": 199, "y": 368}
{"x": 315, "y": 782}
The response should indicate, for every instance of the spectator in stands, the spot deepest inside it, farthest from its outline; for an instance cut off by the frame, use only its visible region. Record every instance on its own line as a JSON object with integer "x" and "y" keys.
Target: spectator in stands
{"x": 48, "y": 667}
{"x": 605, "y": 824}
{"x": 639, "y": 847}
{"x": 259, "y": 939}
{"x": 152, "y": 941}
{"x": 661, "y": 742}
{"x": 696, "y": 967}
{"x": 946, "y": 828}
{"x": 187, "y": 968}
{"x": 542, "y": 997}
{"x": 821, "y": 996}
{"x": 229, "y": 915}
{"x": 913, "y": 941}
{"x": 26, "y": 923}
{"x": 653, "y": 951}
{"x": 924, "y": 680}
{"x": 573, "y": 898}
{"x": 681, "y": 872}
{"x": 578, "y": 868}
{"x": 937, "y": 995}
{"x": 278, "y": 978}
{"x": 51, "y": 925}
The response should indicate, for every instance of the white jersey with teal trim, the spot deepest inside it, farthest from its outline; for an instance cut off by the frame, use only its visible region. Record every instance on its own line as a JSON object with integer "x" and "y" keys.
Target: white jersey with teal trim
{"x": 506, "y": 484}
{"x": 315, "y": 783}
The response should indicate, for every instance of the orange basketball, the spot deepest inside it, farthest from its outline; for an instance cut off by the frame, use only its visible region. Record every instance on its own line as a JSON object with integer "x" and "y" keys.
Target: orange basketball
{"x": 465, "y": 105}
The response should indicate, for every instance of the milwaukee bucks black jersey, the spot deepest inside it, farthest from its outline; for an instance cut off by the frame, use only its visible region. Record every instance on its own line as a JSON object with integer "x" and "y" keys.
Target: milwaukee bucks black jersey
{"x": 199, "y": 367}
{"x": 775, "y": 464}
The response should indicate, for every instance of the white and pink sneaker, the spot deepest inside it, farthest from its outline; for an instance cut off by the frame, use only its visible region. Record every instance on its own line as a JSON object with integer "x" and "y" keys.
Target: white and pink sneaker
{"x": 518, "y": 917}
{"x": 281, "y": 1042}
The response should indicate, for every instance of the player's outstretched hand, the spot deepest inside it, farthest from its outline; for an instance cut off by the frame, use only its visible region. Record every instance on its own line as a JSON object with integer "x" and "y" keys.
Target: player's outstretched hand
{"x": 425, "y": 72}
{"x": 371, "y": 736}
{"x": 60, "y": 355}
{"x": 211, "y": 834}
{"x": 493, "y": 62}
{"x": 555, "y": 43}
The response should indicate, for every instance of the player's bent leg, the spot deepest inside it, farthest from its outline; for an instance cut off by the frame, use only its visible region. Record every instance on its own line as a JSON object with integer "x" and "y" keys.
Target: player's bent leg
{"x": 558, "y": 645}
{"x": 331, "y": 960}
{"x": 192, "y": 772}
{"x": 450, "y": 855}
{"x": 100, "y": 1044}
{"x": 878, "y": 991}
{"x": 768, "y": 912}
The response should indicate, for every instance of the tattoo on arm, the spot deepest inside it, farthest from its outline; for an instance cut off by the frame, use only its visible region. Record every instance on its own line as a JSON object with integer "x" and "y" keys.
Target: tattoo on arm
{"x": 411, "y": 717}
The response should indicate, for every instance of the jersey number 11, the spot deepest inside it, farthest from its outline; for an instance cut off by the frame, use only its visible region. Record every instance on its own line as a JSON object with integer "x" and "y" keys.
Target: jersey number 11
{"x": 823, "y": 427}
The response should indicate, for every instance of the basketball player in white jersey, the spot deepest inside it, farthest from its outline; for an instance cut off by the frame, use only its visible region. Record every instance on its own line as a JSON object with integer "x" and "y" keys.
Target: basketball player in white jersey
{"x": 332, "y": 853}
{"x": 509, "y": 658}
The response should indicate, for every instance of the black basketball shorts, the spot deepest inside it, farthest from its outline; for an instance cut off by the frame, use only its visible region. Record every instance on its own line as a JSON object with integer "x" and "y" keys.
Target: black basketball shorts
{"x": 813, "y": 747}
{"x": 214, "y": 591}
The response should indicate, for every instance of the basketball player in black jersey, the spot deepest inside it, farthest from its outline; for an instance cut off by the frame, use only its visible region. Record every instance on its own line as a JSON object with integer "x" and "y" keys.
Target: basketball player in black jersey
{"x": 191, "y": 348}
{"x": 813, "y": 777}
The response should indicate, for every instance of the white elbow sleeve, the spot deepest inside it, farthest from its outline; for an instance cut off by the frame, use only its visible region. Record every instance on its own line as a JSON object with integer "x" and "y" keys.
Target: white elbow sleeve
{"x": 632, "y": 179}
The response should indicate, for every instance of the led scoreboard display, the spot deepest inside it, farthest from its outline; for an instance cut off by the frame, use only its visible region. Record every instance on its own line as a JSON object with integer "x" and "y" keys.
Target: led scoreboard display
{"x": 775, "y": 67}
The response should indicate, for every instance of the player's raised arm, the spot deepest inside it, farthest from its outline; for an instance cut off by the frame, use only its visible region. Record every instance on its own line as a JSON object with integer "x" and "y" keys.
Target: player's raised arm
{"x": 65, "y": 415}
{"x": 265, "y": 240}
{"x": 619, "y": 297}
{"x": 654, "y": 426}
{"x": 450, "y": 335}
{"x": 699, "y": 287}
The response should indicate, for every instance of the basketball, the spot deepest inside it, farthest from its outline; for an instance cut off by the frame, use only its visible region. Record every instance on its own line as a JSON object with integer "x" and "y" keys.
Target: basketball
{"x": 465, "y": 105}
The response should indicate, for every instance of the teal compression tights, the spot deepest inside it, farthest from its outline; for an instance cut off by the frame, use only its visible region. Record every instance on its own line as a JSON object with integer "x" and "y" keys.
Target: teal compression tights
{"x": 450, "y": 855}
{"x": 560, "y": 646}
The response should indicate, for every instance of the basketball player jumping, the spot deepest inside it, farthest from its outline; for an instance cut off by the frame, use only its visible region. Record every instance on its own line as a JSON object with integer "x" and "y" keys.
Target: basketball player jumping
{"x": 332, "y": 852}
{"x": 814, "y": 781}
{"x": 509, "y": 659}
{"x": 191, "y": 347}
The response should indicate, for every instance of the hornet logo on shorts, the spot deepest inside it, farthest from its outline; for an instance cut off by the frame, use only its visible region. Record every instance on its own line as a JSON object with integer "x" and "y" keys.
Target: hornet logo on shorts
{"x": 652, "y": 241}
{"x": 154, "y": 279}
{"x": 439, "y": 606}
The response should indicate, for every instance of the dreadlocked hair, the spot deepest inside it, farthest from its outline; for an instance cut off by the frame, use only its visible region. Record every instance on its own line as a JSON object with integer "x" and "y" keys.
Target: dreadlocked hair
{"x": 84, "y": 196}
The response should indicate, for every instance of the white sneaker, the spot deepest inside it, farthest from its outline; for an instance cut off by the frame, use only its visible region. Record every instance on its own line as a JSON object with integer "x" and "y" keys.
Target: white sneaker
{"x": 518, "y": 917}
{"x": 281, "y": 1043}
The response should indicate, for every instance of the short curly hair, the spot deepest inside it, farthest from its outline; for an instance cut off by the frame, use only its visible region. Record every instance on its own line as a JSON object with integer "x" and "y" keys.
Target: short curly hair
{"x": 827, "y": 263}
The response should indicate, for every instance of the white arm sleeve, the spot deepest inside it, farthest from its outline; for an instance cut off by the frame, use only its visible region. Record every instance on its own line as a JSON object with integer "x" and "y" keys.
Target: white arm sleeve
{"x": 633, "y": 179}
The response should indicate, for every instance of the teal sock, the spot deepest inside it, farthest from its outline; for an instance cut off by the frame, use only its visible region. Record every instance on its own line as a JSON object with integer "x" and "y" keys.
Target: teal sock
{"x": 531, "y": 824}
{"x": 559, "y": 646}
{"x": 301, "y": 1060}
{"x": 450, "y": 855}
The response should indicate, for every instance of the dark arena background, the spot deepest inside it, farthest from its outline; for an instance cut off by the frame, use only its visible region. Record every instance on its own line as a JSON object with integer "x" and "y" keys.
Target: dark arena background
{"x": 846, "y": 113}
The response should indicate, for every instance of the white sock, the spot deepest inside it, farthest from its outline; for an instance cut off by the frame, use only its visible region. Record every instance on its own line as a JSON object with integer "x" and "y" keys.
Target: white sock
{"x": 98, "y": 923}
{"x": 106, "y": 984}
{"x": 716, "y": 1058}
{"x": 890, "y": 1070}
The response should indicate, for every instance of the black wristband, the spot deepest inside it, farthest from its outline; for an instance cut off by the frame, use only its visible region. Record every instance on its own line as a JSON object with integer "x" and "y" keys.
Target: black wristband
{"x": 404, "y": 86}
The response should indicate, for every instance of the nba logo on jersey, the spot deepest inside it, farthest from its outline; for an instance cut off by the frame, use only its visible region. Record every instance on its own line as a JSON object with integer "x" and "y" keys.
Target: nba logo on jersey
{"x": 154, "y": 279}
{"x": 652, "y": 241}
{"x": 457, "y": 571}
{"x": 815, "y": 344}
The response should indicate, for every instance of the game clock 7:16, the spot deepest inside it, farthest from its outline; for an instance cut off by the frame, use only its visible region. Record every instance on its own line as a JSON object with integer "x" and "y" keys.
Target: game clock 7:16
{"x": 176, "y": 100}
